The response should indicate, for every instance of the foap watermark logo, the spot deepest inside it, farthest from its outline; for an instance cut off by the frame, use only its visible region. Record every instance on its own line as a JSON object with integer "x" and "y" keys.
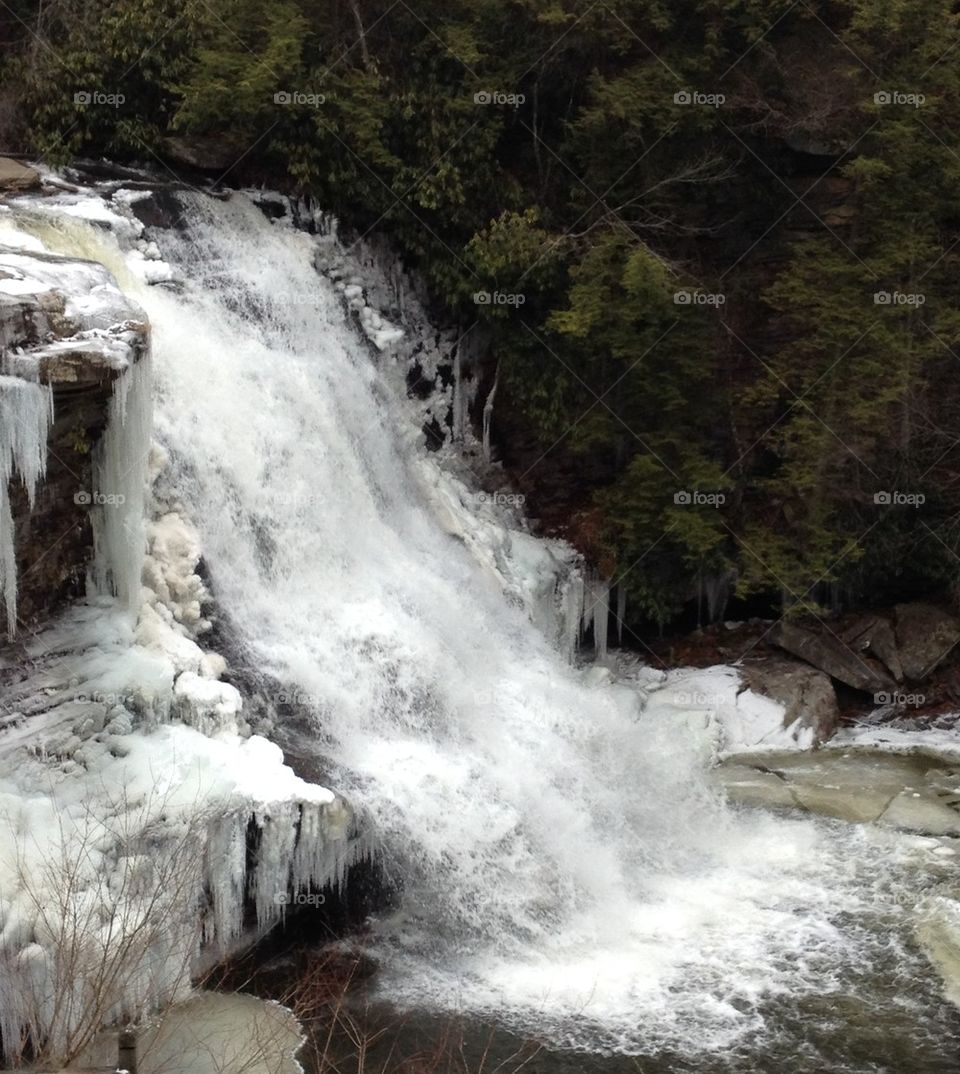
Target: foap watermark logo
{"x": 97, "y": 98}
{"x": 295, "y": 298}
{"x": 83, "y": 498}
{"x": 888, "y": 698}
{"x": 898, "y": 298}
{"x": 99, "y": 697}
{"x": 699, "y": 499}
{"x": 513, "y": 100}
{"x": 896, "y": 498}
{"x": 500, "y": 499}
{"x": 297, "y": 697}
{"x": 299, "y": 899}
{"x": 291, "y": 498}
{"x": 313, "y": 100}
{"x": 910, "y": 100}
{"x": 498, "y": 298}
{"x": 699, "y": 699}
{"x": 702, "y": 100}
{"x": 698, "y": 298}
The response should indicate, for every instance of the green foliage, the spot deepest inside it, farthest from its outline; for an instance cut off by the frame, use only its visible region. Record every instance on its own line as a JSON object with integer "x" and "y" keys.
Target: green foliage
{"x": 789, "y": 191}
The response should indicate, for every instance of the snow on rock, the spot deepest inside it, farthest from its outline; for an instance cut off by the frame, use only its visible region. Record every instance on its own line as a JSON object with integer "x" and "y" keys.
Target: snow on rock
{"x": 943, "y": 744}
{"x": 729, "y": 719}
{"x": 52, "y": 305}
{"x": 121, "y": 777}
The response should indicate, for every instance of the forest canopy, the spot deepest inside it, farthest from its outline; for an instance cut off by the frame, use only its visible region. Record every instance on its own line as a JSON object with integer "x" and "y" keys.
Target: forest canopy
{"x": 720, "y": 240}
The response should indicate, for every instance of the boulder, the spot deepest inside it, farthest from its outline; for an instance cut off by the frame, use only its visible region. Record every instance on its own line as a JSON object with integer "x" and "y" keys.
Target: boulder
{"x": 874, "y": 635}
{"x": 16, "y": 177}
{"x": 807, "y": 695}
{"x": 835, "y": 658}
{"x": 925, "y": 635}
{"x": 63, "y": 320}
{"x": 209, "y": 154}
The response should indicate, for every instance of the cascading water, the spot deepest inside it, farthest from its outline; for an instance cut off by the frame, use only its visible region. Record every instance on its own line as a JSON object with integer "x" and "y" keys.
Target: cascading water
{"x": 566, "y": 865}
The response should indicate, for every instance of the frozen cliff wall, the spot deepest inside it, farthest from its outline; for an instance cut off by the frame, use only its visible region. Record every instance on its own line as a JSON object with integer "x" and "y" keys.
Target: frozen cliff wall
{"x": 67, "y": 337}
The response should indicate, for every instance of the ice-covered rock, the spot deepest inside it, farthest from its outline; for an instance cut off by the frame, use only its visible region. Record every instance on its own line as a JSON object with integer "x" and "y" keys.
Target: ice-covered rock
{"x": 806, "y": 696}
{"x": 67, "y": 334}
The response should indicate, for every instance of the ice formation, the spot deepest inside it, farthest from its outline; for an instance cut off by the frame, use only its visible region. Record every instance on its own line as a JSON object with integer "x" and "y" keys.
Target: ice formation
{"x": 120, "y": 469}
{"x": 26, "y": 413}
{"x": 130, "y": 786}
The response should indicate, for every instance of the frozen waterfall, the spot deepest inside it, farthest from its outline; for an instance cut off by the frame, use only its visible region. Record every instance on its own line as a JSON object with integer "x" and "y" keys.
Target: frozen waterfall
{"x": 567, "y": 864}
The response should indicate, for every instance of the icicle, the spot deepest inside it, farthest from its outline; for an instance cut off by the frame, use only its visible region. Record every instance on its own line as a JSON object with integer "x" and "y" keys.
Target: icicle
{"x": 8, "y": 561}
{"x": 26, "y": 414}
{"x": 458, "y": 398}
{"x": 272, "y": 879}
{"x": 596, "y": 613}
{"x": 120, "y": 466}
{"x": 226, "y": 864}
{"x": 718, "y": 588}
{"x": 572, "y": 615}
{"x": 621, "y": 610}
{"x": 488, "y": 415}
{"x": 601, "y": 617}
{"x": 324, "y": 850}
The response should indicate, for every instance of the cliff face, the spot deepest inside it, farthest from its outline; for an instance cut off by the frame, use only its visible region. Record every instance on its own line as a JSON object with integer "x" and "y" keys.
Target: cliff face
{"x": 65, "y": 329}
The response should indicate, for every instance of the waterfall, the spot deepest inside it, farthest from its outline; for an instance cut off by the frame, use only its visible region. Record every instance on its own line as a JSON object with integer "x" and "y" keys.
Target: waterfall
{"x": 568, "y": 865}
{"x": 26, "y": 414}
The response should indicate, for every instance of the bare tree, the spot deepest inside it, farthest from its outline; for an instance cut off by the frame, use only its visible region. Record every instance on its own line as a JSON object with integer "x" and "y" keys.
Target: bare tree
{"x": 109, "y": 913}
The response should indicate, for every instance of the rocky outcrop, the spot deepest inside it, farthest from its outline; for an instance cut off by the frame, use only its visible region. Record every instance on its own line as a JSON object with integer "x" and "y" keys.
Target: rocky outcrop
{"x": 807, "y": 695}
{"x": 872, "y": 654}
{"x": 826, "y": 651}
{"x": 910, "y": 792}
{"x": 209, "y": 154}
{"x": 873, "y": 636}
{"x": 64, "y": 324}
{"x": 926, "y": 635}
{"x": 16, "y": 178}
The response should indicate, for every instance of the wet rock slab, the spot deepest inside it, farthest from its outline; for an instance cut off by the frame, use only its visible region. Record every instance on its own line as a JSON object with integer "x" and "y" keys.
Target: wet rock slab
{"x": 910, "y": 792}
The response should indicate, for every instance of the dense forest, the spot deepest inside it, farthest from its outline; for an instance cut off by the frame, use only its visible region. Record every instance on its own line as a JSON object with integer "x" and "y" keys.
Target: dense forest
{"x": 710, "y": 248}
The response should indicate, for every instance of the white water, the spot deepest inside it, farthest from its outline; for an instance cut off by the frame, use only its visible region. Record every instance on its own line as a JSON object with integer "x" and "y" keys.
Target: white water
{"x": 565, "y": 863}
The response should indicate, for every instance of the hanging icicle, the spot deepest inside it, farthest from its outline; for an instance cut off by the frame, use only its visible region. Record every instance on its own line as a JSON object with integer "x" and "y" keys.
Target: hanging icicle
{"x": 26, "y": 414}
{"x": 596, "y": 613}
{"x": 120, "y": 468}
{"x": 601, "y": 618}
{"x": 488, "y": 415}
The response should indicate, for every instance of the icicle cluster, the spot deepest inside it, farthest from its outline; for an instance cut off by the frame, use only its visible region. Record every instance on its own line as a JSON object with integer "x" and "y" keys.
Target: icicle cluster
{"x": 26, "y": 414}
{"x": 596, "y": 613}
{"x": 584, "y": 602}
{"x": 300, "y": 847}
{"x": 120, "y": 467}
